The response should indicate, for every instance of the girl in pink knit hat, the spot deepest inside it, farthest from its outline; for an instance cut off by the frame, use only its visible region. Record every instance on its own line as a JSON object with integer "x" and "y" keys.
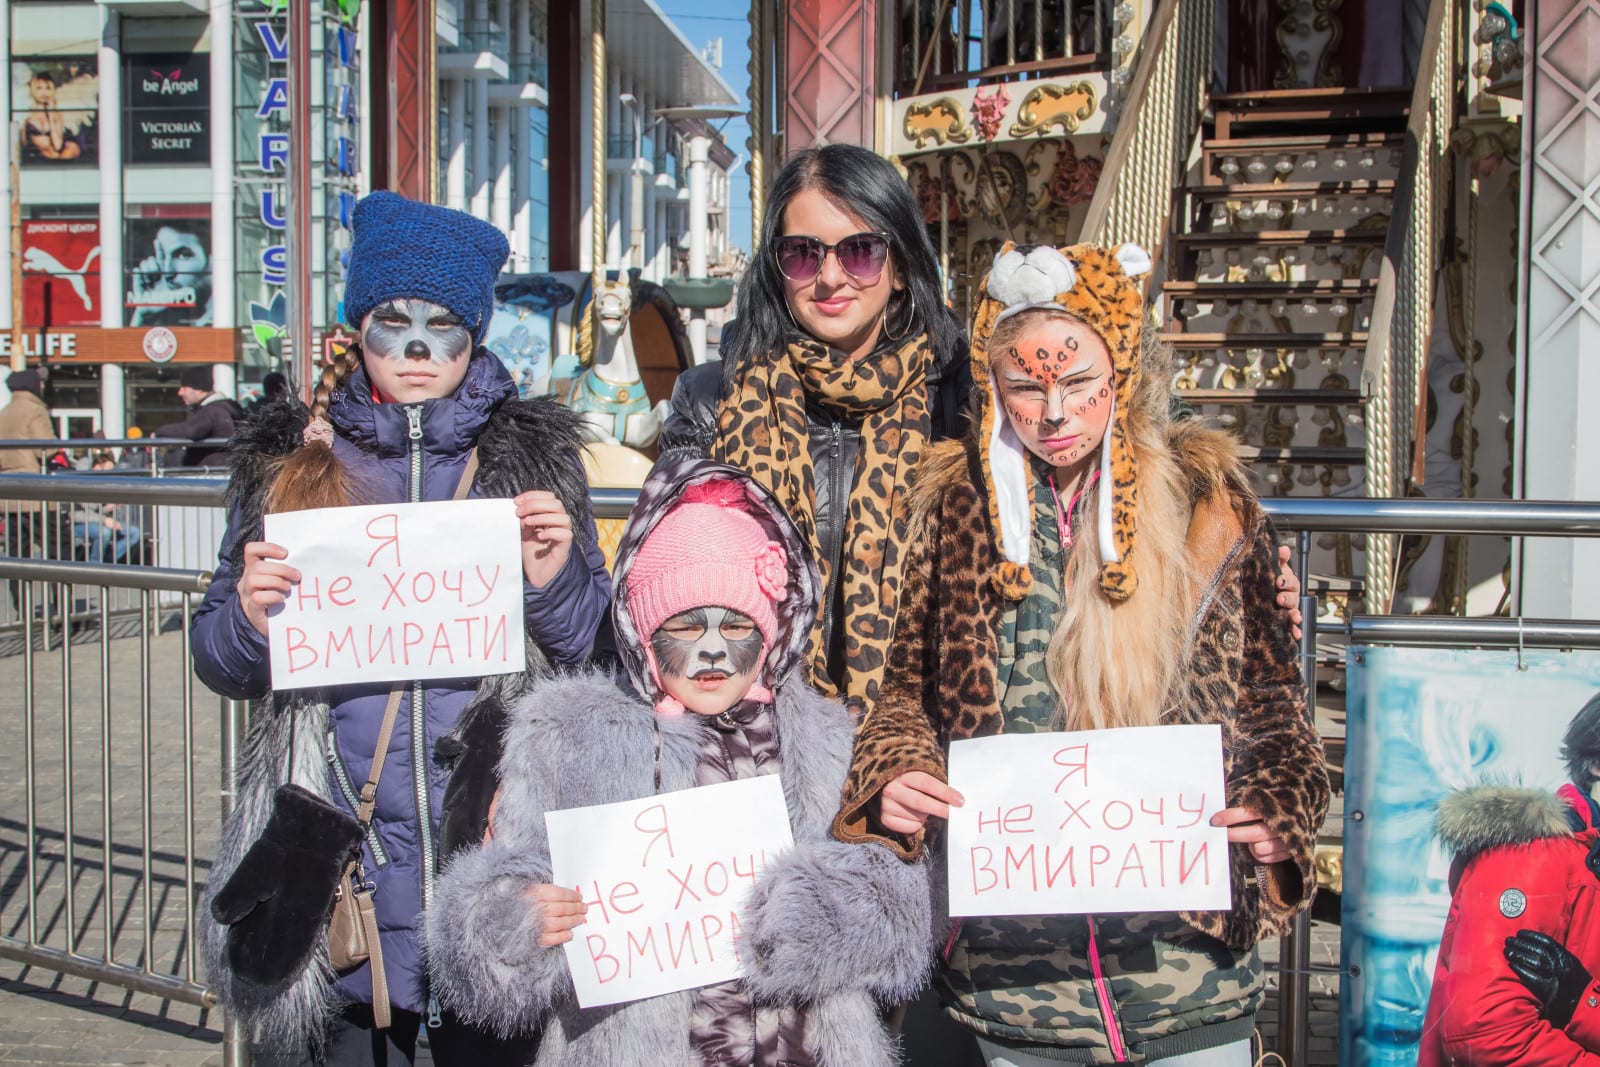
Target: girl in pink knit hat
{"x": 715, "y": 598}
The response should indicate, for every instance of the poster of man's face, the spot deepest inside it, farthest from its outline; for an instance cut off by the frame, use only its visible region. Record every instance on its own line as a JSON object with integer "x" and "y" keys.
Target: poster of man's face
{"x": 169, "y": 274}
{"x": 55, "y": 101}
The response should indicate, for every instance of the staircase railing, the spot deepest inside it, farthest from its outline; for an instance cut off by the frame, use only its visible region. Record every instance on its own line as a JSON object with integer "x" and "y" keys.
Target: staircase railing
{"x": 1159, "y": 122}
{"x": 1394, "y": 367}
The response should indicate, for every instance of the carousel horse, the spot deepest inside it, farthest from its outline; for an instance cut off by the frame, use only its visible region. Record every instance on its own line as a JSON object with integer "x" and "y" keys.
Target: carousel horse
{"x": 623, "y": 390}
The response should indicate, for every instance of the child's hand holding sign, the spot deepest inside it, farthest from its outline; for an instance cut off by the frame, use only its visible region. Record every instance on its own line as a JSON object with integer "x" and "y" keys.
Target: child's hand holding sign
{"x": 546, "y": 535}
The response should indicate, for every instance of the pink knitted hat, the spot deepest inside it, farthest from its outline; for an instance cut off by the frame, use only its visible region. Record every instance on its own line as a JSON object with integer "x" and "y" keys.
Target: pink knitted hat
{"x": 708, "y": 551}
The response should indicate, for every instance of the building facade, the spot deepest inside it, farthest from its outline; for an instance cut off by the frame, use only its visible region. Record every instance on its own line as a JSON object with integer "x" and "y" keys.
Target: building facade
{"x": 1351, "y": 269}
{"x": 155, "y": 153}
{"x": 119, "y": 123}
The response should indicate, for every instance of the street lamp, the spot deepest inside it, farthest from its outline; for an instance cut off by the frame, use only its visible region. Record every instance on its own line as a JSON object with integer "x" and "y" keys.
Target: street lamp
{"x": 636, "y": 187}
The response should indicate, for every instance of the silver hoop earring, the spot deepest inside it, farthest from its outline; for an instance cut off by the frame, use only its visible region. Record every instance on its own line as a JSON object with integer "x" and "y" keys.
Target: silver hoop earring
{"x": 910, "y": 319}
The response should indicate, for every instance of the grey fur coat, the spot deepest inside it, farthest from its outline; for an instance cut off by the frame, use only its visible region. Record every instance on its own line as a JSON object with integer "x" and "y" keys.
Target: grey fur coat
{"x": 829, "y": 925}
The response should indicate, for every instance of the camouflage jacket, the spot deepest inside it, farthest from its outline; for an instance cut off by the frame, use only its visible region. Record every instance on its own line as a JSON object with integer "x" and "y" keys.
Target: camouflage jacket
{"x": 1177, "y": 981}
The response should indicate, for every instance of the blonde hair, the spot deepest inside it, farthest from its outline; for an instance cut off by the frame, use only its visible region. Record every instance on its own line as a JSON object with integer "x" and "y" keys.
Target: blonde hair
{"x": 1117, "y": 663}
{"x": 311, "y": 476}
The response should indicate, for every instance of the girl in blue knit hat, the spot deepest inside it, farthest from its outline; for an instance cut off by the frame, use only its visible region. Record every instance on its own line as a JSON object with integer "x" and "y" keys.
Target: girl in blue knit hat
{"x": 415, "y": 410}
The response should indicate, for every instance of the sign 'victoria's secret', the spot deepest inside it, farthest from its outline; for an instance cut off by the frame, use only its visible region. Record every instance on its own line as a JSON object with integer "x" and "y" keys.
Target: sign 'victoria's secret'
{"x": 167, "y": 108}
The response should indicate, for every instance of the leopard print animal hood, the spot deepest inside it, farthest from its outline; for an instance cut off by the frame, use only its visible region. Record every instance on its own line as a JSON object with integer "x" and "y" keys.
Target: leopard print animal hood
{"x": 795, "y": 613}
{"x": 1099, "y": 287}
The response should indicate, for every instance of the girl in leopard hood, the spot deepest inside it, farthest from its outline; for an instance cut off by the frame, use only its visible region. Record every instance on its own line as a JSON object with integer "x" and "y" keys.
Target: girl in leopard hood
{"x": 1083, "y": 562}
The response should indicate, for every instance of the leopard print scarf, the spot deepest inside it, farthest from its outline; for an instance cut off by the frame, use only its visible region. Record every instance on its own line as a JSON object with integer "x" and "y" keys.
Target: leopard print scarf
{"x": 762, "y": 429}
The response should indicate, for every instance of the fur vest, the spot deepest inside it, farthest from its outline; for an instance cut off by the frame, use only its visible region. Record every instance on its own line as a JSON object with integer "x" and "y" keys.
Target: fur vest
{"x": 522, "y": 445}
{"x": 829, "y": 925}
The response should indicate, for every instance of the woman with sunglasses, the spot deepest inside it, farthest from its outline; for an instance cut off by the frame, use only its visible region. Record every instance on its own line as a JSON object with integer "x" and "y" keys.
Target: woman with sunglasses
{"x": 844, "y": 365}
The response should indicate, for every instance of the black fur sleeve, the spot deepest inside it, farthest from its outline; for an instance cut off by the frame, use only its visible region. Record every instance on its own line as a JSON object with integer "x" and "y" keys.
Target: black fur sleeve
{"x": 535, "y": 444}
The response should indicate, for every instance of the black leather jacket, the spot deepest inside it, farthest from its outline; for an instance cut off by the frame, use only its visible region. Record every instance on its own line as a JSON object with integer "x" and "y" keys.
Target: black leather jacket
{"x": 834, "y": 444}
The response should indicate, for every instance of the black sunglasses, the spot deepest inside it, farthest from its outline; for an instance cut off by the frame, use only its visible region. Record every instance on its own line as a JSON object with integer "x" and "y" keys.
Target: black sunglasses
{"x": 861, "y": 255}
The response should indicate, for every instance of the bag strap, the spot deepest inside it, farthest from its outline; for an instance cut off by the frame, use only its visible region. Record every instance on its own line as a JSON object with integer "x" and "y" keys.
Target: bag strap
{"x": 381, "y": 1018}
{"x": 391, "y": 711}
{"x": 470, "y": 471}
{"x": 369, "y": 792}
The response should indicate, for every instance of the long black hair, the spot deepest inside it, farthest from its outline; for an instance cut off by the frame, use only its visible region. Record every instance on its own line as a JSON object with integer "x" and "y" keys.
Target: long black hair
{"x": 1581, "y": 747}
{"x": 866, "y": 185}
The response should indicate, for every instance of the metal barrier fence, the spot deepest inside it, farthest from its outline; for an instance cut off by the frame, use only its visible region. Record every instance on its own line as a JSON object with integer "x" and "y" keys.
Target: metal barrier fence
{"x": 147, "y": 455}
{"x": 87, "y": 895}
{"x": 1509, "y": 518}
{"x": 174, "y": 521}
{"x": 105, "y": 868}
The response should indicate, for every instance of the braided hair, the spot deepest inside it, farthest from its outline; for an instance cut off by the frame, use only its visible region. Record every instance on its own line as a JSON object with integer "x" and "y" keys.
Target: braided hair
{"x": 311, "y": 476}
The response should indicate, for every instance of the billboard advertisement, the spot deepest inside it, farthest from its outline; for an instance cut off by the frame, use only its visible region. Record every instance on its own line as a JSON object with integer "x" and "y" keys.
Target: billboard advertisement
{"x": 61, "y": 272}
{"x": 55, "y": 103}
{"x": 166, "y": 108}
{"x": 168, "y": 252}
{"x": 1424, "y": 725}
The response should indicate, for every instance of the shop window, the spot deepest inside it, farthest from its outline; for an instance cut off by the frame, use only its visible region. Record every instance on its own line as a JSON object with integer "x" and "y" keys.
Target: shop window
{"x": 60, "y": 268}
{"x": 167, "y": 250}
{"x": 55, "y": 104}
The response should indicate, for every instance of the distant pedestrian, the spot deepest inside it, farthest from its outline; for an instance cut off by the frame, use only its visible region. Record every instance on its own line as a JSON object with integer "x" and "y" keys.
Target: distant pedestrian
{"x": 212, "y": 416}
{"x": 28, "y": 523}
{"x": 274, "y": 388}
{"x": 103, "y": 532}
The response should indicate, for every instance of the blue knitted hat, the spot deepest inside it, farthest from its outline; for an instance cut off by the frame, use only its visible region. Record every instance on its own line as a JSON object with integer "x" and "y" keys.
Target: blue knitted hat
{"x": 403, "y": 249}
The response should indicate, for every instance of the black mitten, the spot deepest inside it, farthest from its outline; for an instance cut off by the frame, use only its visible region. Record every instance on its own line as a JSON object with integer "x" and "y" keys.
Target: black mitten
{"x": 276, "y": 903}
{"x": 471, "y": 752}
{"x": 1553, "y": 974}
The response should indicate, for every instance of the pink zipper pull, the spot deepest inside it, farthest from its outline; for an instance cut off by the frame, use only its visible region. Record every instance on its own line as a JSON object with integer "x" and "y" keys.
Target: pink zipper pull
{"x": 1102, "y": 992}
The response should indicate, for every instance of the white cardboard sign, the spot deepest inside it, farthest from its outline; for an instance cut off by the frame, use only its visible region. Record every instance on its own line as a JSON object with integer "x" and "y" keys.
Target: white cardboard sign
{"x": 392, "y": 592}
{"x": 1093, "y": 821}
{"x": 666, "y": 879}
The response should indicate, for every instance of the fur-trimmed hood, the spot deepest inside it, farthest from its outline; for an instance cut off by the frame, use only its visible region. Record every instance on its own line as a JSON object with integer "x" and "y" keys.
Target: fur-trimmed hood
{"x": 521, "y": 443}
{"x": 1474, "y": 820}
{"x": 663, "y": 489}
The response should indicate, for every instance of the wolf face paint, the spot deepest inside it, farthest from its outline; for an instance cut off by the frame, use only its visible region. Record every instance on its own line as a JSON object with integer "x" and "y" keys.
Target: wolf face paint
{"x": 708, "y": 658}
{"x": 414, "y": 350}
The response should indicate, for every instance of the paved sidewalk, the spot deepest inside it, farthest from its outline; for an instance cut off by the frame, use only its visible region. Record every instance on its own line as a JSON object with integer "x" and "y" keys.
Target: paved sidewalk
{"x": 49, "y": 1018}
{"x": 46, "y": 1017}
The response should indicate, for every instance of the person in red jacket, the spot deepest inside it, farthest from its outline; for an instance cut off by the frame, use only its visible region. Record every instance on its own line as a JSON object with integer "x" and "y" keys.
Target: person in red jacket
{"x": 1515, "y": 980}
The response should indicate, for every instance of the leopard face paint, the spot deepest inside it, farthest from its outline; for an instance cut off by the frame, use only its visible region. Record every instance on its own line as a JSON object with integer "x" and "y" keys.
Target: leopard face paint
{"x": 414, "y": 350}
{"x": 1054, "y": 384}
{"x": 708, "y": 658}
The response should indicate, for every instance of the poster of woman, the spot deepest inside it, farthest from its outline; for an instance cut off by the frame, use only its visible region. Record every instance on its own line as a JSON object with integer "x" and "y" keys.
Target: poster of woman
{"x": 57, "y": 102}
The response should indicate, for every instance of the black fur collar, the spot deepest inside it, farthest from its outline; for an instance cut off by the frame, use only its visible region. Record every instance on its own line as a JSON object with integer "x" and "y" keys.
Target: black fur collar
{"x": 527, "y": 444}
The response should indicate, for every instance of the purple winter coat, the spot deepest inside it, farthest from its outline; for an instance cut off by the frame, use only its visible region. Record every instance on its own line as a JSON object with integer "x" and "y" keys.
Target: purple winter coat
{"x": 372, "y": 442}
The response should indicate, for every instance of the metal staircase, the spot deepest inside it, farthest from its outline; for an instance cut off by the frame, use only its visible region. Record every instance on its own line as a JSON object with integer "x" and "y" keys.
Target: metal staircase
{"x": 1298, "y": 235}
{"x": 1272, "y": 270}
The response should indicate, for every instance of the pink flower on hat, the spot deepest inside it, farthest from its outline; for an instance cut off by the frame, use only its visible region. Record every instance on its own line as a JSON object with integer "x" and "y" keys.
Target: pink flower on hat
{"x": 709, "y": 549}
{"x": 772, "y": 572}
